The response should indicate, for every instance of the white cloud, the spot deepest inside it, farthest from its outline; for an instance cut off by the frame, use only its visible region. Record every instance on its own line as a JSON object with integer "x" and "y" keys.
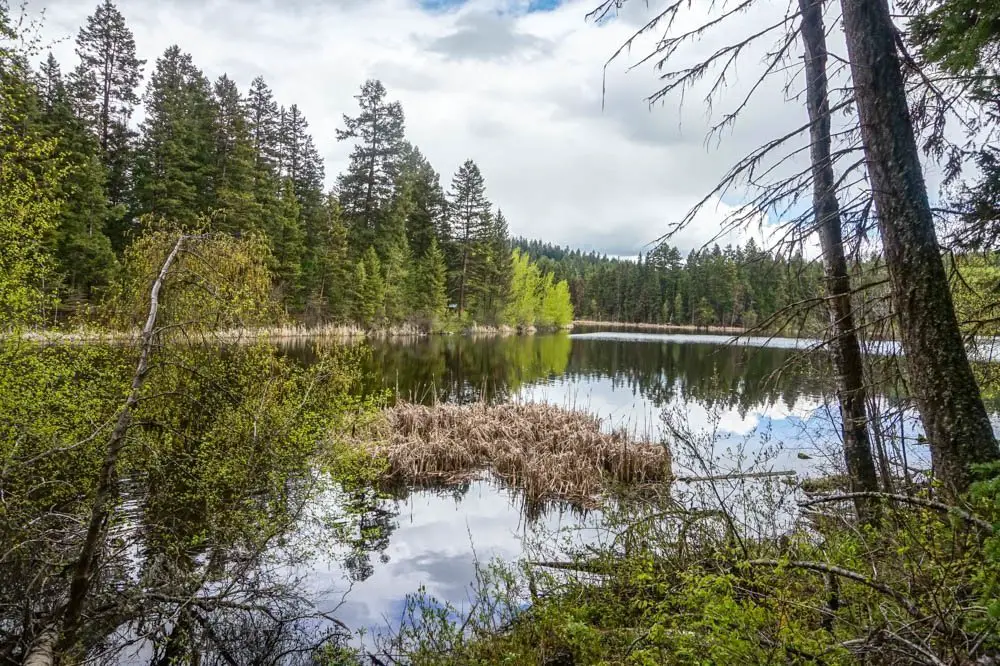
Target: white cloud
{"x": 520, "y": 93}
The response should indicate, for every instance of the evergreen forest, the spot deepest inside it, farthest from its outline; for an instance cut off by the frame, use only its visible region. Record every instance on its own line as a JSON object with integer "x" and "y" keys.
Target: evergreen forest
{"x": 136, "y": 146}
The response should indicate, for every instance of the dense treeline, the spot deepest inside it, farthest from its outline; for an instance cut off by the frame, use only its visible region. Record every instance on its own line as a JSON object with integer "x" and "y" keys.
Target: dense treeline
{"x": 740, "y": 286}
{"x": 387, "y": 245}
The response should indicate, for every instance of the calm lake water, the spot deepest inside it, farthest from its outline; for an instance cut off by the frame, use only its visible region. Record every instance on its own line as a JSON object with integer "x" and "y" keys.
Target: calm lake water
{"x": 767, "y": 402}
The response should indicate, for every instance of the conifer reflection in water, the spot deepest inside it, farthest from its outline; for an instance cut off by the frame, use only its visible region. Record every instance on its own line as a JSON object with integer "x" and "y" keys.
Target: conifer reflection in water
{"x": 752, "y": 396}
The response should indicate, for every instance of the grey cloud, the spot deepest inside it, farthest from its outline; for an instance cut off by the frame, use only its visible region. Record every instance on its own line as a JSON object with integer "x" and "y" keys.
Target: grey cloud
{"x": 399, "y": 76}
{"x": 488, "y": 36}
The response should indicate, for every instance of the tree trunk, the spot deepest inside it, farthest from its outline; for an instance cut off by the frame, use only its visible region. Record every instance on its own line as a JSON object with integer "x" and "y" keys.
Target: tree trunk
{"x": 86, "y": 564}
{"x": 938, "y": 369}
{"x": 826, "y": 209}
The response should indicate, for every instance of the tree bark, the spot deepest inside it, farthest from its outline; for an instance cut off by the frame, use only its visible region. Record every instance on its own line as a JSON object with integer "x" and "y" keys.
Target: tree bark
{"x": 42, "y": 650}
{"x": 86, "y": 563}
{"x": 826, "y": 209}
{"x": 951, "y": 408}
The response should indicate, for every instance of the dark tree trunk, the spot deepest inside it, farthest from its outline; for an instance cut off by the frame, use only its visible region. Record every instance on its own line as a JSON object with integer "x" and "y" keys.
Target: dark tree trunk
{"x": 826, "y": 209}
{"x": 938, "y": 369}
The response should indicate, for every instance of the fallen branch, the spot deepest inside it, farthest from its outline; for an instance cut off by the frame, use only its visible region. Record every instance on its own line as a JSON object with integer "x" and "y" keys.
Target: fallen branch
{"x": 83, "y": 570}
{"x": 906, "y": 499}
{"x": 736, "y": 475}
{"x": 903, "y": 601}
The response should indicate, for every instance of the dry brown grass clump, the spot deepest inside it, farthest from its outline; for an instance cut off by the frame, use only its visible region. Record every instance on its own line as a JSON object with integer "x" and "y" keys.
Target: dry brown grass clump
{"x": 549, "y": 452}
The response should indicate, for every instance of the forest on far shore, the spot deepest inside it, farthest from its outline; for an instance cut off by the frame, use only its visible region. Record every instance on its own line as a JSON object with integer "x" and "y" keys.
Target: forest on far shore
{"x": 387, "y": 245}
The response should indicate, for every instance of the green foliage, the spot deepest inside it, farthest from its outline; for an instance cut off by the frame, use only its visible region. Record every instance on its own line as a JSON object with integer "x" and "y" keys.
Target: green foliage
{"x": 741, "y": 286}
{"x": 536, "y": 299}
{"x": 218, "y": 282}
{"x": 557, "y": 309}
{"x": 672, "y": 589}
{"x": 369, "y": 298}
{"x": 31, "y": 179}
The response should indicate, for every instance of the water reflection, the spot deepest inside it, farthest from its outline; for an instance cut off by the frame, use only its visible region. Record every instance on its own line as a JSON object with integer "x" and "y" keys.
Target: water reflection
{"x": 755, "y": 398}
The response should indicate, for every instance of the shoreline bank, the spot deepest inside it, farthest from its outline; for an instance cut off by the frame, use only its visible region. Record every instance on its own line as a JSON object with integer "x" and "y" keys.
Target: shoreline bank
{"x": 279, "y": 333}
{"x": 678, "y": 328}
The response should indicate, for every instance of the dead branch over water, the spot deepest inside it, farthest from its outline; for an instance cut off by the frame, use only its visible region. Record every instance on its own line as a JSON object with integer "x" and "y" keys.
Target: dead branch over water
{"x": 549, "y": 452}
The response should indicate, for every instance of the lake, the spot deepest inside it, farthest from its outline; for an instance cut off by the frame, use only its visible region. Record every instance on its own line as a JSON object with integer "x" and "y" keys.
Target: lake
{"x": 767, "y": 405}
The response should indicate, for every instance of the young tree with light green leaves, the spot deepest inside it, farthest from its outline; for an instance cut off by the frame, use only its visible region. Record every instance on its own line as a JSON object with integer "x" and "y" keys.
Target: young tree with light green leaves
{"x": 31, "y": 176}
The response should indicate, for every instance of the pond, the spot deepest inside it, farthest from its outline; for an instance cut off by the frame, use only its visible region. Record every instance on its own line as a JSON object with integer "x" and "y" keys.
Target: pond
{"x": 769, "y": 404}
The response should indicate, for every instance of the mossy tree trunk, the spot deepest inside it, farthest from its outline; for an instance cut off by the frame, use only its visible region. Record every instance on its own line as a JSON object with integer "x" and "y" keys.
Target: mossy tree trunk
{"x": 938, "y": 369}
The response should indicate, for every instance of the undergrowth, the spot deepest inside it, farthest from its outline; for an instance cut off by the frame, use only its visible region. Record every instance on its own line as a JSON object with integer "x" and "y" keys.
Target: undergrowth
{"x": 684, "y": 584}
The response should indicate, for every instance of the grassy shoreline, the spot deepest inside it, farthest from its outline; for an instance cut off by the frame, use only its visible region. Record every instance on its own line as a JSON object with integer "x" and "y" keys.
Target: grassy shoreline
{"x": 283, "y": 332}
{"x": 676, "y": 328}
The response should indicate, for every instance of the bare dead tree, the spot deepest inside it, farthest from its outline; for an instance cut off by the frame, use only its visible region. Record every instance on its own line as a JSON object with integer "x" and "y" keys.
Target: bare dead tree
{"x": 846, "y": 349}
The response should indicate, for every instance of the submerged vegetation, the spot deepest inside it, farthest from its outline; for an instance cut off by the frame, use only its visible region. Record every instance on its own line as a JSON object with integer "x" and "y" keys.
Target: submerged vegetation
{"x": 548, "y": 452}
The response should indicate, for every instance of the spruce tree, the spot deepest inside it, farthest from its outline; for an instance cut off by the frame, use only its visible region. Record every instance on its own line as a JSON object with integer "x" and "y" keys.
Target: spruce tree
{"x": 372, "y": 291}
{"x": 430, "y": 298}
{"x": 262, "y": 115}
{"x": 368, "y": 186}
{"x": 284, "y": 229}
{"x": 292, "y": 138}
{"x": 394, "y": 251}
{"x": 497, "y": 269}
{"x": 82, "y": 252}
{"x": 176, "y": 165}
{"x": 426, "y": 221}
{"x": 104, "y": 87}
{"x": 236, "y": 208}
{"x": 470, "y": 221}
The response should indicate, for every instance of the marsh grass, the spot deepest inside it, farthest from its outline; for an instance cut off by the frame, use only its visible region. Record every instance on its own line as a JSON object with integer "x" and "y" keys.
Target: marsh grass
{"x": 548, "y": 452}
{"x": 282, "y": 332}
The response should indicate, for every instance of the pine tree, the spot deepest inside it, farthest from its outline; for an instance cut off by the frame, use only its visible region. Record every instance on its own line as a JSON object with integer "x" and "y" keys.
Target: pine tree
{"x": 368, "y": 186}
{"x": 83, "y": 254}
{"x": 176, "y": 164}
{"x": 236, "y": 206}
{"x": 470, "y": 220}
{"x": 104, "y": 87}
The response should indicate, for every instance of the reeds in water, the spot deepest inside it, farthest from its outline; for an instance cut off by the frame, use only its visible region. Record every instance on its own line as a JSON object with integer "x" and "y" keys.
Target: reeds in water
{"x": 548, "y": 452}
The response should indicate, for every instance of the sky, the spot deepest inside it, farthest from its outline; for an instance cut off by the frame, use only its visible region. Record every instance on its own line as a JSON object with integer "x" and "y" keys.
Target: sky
{"x": 515, "y": 85}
